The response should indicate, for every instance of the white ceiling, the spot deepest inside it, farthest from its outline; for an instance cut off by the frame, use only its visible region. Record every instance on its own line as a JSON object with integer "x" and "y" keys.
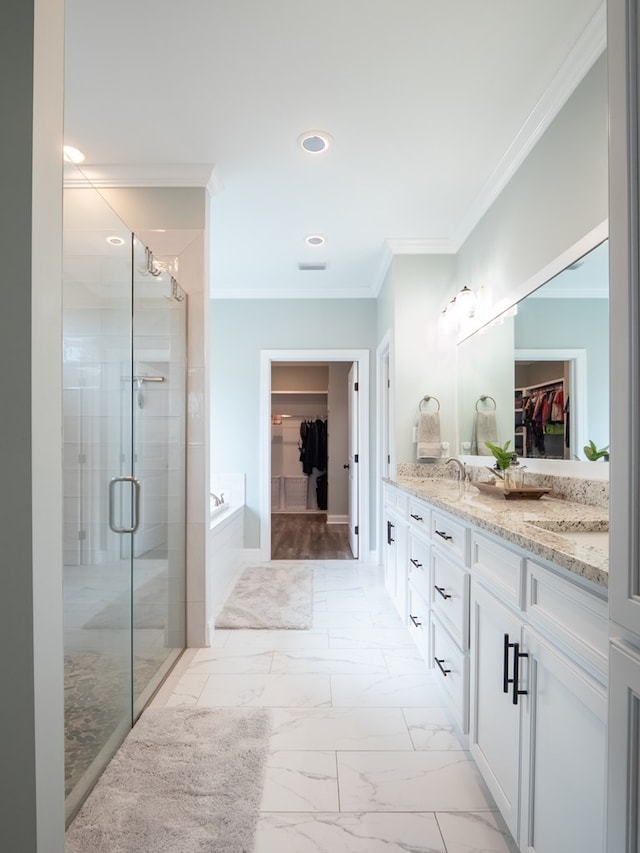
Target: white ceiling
{"x": 431, "y": 104}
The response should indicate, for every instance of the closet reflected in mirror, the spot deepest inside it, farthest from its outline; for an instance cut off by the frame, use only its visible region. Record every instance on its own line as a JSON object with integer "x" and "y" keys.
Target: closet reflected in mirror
{"x": 546, "y": 364}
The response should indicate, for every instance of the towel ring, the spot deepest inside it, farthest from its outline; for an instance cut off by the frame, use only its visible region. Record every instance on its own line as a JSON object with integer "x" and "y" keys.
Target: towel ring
{"x": 426, "y": 400}
{"x": 483, "y": 399}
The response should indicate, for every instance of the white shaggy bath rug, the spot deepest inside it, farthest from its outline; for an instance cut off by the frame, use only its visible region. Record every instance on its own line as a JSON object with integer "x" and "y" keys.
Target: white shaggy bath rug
{"x": 273, "y": 596}
{"x": 185, "y": 781}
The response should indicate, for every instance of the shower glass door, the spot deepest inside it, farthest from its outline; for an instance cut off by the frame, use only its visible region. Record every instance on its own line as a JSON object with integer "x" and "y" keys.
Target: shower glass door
{"x": 124, "y": 375}
{"x": 97, "y": 424}
{"x": 158, "y": 463}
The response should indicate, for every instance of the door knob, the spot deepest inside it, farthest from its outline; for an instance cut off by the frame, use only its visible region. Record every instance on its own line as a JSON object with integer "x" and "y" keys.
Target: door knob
{"x": 346, "y": 466}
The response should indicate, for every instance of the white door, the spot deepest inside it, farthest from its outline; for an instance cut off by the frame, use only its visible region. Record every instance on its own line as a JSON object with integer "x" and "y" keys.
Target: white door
{"x": 353, "y": 459}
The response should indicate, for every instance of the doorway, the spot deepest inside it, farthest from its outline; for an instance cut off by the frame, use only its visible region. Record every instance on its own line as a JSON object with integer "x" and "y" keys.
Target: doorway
{"x": 299, "y": 520}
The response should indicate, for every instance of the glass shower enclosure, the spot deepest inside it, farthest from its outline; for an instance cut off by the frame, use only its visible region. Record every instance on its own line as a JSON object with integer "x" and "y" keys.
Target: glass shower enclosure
{"x": 124, "y": 409}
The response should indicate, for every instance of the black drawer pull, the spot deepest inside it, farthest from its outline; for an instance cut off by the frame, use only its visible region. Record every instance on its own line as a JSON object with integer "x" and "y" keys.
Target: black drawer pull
{"x": 415, "y": 621}
{"x": 444, "y": 671}
{"x": 415, "y": 563}
{"x": 517, "y": 654}
{"x": 440, "y": 589}
{"x": 390, "y": 527}
{"x": 444, "y": 535}
{"x": 417, "y": 517}
{"x": 506, "y": 681}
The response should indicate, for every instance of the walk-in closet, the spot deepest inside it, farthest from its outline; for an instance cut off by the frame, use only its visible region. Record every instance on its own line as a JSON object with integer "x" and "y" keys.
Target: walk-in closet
{"x": 542, "y": 409}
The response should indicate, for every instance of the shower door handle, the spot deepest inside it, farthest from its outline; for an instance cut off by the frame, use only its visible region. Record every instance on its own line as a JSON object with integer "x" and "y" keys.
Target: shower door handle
{"x": 136, "y": 503}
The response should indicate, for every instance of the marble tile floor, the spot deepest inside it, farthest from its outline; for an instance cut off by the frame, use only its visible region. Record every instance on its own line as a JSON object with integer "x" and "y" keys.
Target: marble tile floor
{"x": 363, "y": 757}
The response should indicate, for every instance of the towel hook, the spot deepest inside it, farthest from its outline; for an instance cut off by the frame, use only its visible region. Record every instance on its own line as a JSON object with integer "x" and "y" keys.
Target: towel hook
{"x": 483, "y": 399}
{"x": 426, "y": 399}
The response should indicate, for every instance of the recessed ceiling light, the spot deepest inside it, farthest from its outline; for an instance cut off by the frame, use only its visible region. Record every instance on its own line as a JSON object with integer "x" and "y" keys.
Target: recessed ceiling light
{"x": 72, "y": 155}
{"x": 115, "y": 241}
{"x": 315, "y": 239}
{"x": 315, "y": 141}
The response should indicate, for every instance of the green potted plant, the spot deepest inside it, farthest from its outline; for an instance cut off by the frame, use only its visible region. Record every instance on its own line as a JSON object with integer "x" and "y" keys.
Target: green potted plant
{"x": 593, "y": 454}
{"x": 503, "y": 457}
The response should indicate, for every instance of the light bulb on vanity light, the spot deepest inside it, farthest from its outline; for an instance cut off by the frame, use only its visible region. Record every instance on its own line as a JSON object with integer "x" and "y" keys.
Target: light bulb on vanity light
{"x": 466, "y": 302}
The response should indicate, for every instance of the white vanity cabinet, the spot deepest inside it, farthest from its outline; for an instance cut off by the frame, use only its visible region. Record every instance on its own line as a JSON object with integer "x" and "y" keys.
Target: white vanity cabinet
{"x": 538, "y": 702}
{"x": 521, "y": 646}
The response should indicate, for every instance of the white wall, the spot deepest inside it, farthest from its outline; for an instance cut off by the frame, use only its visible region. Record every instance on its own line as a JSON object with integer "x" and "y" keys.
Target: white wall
{"x": 557, "y": 196}
{"x": 31, "y": 711}
{"x": 424, "y": 352}
{"x": 240, "y": 329}
{"x": 338, "y": 499}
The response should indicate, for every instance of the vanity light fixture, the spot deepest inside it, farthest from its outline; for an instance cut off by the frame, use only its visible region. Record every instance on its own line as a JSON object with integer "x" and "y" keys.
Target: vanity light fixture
{"x": 315, "y": 239}
{"x": 72, "y": 155}
{"x": 315, "y": 141}
{"x": 459, "y": 310}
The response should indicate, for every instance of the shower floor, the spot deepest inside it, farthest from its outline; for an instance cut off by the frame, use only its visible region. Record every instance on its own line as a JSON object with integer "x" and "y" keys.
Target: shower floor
{"x": 97, "y": 641}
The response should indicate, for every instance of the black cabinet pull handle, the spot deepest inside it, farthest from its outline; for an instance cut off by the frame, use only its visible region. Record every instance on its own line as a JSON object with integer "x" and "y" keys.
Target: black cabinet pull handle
{"x": 444, "y": 535}
{"x": 417, "y": 517}
{"x": 415, "y": 563}
{"x": 389, "y": 529}
{"x": 444, "y": 671}
{"x": 506, "y": 681}
{"x": 440, "y": 589}
{"x": 517, "y": 654}
{"x": 415, "y": 621}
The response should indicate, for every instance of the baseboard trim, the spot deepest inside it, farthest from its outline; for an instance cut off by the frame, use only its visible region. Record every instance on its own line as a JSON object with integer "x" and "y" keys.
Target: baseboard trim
{"x": 337, "y": 519}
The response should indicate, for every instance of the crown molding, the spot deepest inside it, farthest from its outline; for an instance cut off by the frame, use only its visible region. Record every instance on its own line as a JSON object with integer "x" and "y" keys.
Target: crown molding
{"x": 146, "y": 175}
{"x": 579, "y": 61}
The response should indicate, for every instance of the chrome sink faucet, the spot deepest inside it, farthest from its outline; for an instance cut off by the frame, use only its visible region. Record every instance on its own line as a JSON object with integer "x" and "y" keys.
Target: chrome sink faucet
{"x": 460, "y": 466}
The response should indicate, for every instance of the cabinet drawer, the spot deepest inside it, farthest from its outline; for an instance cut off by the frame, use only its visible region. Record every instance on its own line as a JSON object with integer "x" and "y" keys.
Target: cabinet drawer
{"x": 419, "y": 515}
{"x": 453, "y": 667}
{"x": 450, "y": 597}
{"x": 394, "y": 497}
{"x": 575, "y": 617}
{"x": 450, "y": 535}
{"x": 500, "y": 567}
{"x": 419, "y": 621}
{"x": 418, "y": 569}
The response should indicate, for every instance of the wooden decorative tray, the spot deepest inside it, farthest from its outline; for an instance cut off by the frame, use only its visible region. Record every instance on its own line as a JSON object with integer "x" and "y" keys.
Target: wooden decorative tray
{"x": 524, "y": 493}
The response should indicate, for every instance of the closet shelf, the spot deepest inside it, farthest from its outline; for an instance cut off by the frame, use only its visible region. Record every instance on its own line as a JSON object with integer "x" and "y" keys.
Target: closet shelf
{"x": 298, "y": 392}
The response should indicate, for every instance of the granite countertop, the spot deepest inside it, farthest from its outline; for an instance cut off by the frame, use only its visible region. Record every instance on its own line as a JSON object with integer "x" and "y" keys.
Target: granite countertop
{"x": 571, "y": 535}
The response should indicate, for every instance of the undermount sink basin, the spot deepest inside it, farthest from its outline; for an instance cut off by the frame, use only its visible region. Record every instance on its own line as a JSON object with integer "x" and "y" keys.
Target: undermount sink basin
{"x": 583, "y": 532}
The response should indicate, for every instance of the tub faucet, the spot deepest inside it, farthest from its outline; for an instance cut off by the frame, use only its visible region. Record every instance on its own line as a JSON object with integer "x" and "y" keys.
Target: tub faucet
{"x": 217, "y": 501}
{"x": 461, "y": 469}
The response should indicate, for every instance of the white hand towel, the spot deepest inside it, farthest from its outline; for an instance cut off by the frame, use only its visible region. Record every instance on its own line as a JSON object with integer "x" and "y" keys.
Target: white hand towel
{"x": 486, "y": 430}
{"x": 429, "y": 436}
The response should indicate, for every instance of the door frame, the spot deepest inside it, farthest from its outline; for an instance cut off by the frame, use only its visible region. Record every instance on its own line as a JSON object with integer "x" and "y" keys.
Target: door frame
{"x": 267, "y": 358}
{"x": 385, "y": 446}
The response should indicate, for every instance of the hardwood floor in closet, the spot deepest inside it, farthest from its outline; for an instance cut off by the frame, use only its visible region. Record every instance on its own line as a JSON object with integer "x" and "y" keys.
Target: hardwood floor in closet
{"x": 307, "y": 536}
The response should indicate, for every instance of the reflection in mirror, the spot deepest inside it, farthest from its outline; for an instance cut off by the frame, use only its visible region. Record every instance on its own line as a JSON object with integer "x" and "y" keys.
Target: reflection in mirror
{"x": 547, "y": 367}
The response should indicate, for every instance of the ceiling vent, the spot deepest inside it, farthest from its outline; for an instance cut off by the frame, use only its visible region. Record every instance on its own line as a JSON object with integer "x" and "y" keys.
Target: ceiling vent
{"x": 316, "y": 265}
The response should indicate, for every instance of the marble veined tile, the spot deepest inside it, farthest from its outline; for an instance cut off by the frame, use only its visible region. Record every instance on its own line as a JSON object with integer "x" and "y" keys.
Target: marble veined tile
{"x": 471, "y": 832}
{"x": 342, "y": 619}
{"x": 430, "y": 728}
{"x": 372, "y": 638}
{"x": 348, "y": 833}
{"x": 410, "y": 781}
{"x": 330, "y": 661}
{"x": 335, "y": 601}
{"x": 300, "y": 782}
{"x": 406, "y": 660}
{"x": 215, "y": 660}
{"x": 265, "y": 691}
{"x": 340, "y": 728}
{"x": 274, "y": 639}
{"x": 385, "y": 691}
{"x": 188, "y": 689}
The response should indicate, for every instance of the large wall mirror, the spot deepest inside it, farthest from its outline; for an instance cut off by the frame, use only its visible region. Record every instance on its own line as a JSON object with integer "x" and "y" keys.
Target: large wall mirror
{"x": 538, "y": 375}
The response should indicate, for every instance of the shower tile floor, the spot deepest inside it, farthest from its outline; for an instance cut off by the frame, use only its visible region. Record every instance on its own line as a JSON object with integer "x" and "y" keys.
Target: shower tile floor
{"x": 363, "y": 757}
